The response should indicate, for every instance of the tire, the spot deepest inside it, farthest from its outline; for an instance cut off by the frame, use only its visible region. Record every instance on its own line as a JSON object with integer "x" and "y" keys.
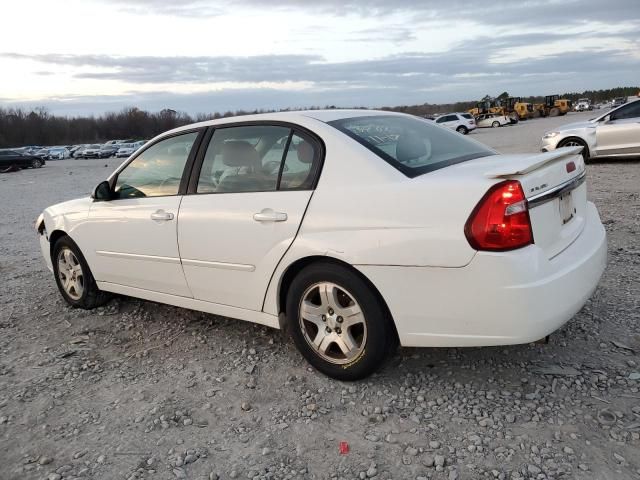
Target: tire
{"x": 36, "y": 163}
{"x": 576, "y": 142}
{"x": 495, "y": 124}
{"x": 554, "y": 112}
{"x": 537, "y": 114}
{"x": 462, "y": 129}
{"x": 84, "y": 293}
{"x": 371, "y": 335}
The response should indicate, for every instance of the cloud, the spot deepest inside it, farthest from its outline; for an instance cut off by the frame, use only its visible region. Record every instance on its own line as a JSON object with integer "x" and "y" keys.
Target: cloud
{"x": 499, "y": 13}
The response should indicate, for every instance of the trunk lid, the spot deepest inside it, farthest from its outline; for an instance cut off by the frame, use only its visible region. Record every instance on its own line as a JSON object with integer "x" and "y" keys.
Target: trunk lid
{"x": 553, "y": 183}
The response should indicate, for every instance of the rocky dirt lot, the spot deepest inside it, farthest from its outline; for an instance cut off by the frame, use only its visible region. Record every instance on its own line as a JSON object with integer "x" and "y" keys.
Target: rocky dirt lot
{"x": 141, "y": 390}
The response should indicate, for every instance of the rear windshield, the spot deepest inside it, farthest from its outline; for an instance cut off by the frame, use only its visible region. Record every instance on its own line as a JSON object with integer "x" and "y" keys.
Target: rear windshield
{"x": 410, "y": 144}
{"x": 466, "y": 115}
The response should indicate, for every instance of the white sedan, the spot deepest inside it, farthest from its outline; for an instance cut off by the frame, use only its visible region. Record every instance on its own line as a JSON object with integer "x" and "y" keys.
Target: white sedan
{"x": 492, "y": 120}
{"x": 356, "y": 230}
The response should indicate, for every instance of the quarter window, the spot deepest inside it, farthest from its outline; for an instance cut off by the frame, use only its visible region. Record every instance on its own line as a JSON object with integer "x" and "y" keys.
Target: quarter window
{"x": 158, "y": 170}
{"x": 298, "y": 171}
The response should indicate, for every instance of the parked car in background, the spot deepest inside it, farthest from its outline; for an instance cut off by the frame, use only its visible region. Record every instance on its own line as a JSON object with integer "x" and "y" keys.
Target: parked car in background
{"x": 73, "y": 149}
{"x": 355, "y": 230}
{"x": 92, "y": 151}
{"x": 127, "y": 149}
{"x": 460, "y": 122}
{"x": 10, "y": 159}
{"x": 492, "y": 120}
{"x": 42, "y": 153}
{"x": 614, "y": 133}
{"x": 58, "y": 153}
{"x": 107, "y": 151}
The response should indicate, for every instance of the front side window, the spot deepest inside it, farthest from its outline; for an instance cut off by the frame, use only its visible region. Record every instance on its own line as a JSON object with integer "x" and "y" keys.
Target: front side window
{"x": 158, "y": 170}
{"x": 243, "y": 159}
{"x": 411, "y": 145}
{"x": 628, "y": 111}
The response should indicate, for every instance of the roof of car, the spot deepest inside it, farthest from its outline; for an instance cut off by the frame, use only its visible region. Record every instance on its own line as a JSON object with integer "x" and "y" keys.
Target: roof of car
{"x": 321, "y": 115}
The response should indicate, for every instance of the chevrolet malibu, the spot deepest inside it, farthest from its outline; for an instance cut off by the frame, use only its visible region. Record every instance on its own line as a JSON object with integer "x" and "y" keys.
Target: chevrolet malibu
{"x": 354, "y": 230}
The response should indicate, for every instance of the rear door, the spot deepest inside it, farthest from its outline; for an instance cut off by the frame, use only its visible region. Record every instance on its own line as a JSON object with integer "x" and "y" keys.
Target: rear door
{"x": 450, "y": 121}
{"x": 621, "y": 134}
{"x": 247, "y": 199}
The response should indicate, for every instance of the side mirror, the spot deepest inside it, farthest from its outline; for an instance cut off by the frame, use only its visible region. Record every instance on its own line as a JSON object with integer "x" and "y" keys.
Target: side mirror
{"x": 102, "y": 192}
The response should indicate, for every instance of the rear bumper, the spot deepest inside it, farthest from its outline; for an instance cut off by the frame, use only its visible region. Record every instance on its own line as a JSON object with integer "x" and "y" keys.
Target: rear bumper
{"x": 499, "y": 298}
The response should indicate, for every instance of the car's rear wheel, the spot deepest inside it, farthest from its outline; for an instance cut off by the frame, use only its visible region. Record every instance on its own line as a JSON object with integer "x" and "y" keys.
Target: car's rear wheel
{"x": 36, "y": 163}
{"x": 462, "y": 129}
{"x": 73, "y": 276}
{"x": 576, "y": 142}
{"x": 338, "y": 322}
{"x": 495, "y": 124}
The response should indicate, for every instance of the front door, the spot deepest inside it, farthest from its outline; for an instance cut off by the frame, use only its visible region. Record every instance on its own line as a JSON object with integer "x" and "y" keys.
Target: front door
{"x": 134, "y": 235}
{"x": 621, "y": 134}
{"x": 252, "y": 191}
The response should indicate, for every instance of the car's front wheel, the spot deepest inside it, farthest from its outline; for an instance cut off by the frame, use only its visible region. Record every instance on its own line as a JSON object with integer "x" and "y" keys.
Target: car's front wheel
{"x": 576, "y": 142}
{"x": 73, "y": 276}
{"x": 462, "y": 129}
{"x": 338, "y": 322}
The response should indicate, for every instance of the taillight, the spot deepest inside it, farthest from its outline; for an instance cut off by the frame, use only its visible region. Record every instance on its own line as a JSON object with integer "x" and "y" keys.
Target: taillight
{"x": 500, "y": 221}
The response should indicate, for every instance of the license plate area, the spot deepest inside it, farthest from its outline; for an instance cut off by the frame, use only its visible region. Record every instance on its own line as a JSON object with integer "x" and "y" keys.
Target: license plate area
{"x": 567, "y": 210}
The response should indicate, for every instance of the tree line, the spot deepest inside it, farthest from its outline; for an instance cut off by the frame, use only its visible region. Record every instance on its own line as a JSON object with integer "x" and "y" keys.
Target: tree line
{"x": 38, "y": 127}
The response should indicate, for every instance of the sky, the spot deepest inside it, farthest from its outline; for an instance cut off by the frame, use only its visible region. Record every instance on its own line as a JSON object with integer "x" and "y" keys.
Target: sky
{"x": 81, "y": 57}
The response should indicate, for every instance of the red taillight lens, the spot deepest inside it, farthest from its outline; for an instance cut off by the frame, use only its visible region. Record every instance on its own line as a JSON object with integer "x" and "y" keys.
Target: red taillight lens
{"x": 500, "y": 221}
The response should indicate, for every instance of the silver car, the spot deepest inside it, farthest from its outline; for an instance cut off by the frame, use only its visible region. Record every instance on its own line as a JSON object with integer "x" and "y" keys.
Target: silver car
{"x": 614, "y": 133}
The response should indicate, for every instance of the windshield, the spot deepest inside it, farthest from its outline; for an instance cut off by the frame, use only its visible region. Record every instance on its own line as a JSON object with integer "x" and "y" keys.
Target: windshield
{"x": 412, "y": 145}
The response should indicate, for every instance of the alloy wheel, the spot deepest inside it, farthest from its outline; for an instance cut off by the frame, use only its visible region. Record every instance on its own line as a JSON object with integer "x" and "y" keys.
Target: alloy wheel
{"x": 332, "y": 323}
{"x": 70, "y": 273}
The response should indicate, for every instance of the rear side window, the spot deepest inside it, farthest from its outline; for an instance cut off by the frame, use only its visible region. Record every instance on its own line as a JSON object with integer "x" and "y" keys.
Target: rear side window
{"x": 258, "y": 158}
{"x": 410, "y": 144}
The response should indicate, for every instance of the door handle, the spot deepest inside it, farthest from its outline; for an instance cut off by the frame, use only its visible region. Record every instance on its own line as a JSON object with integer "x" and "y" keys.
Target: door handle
{"x": 161, "y": 216}
{"x": 268, "y": 215}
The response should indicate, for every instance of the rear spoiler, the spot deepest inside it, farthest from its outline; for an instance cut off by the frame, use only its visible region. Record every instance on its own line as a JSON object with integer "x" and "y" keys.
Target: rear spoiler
{"x": 529, "y": 164}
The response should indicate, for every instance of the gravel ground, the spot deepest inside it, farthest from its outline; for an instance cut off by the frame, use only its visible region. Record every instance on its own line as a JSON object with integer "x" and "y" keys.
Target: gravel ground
{"x": 141, "y": 390}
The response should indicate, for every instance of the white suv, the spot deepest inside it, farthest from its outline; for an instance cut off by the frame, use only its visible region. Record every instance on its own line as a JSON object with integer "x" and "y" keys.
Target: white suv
{"x": 460, "y": 122}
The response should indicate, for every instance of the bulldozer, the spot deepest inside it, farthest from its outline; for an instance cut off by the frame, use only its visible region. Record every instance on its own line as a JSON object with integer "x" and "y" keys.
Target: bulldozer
{"x": 515, "y": 108}
{"x": 553, "y": 106}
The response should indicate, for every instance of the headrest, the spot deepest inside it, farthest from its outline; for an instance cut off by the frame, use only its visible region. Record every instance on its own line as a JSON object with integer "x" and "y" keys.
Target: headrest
{"x": 305, "y": 152}
{"x": 236, "y": 153}
{"x": 410, "y": 147}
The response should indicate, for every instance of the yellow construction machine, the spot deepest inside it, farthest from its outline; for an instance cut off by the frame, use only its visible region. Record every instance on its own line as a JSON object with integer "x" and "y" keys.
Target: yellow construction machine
{"x": 515, "y": 108}
{"x": 485, "y": 107}
{"x": 553, "y": 106}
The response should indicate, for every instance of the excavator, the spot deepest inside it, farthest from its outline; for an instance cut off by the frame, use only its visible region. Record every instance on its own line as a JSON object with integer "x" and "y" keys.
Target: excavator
{"x": 553, "y": 106}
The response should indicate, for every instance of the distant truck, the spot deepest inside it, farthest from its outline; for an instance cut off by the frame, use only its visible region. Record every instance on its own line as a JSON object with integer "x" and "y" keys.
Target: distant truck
{"x": 583, "y": 104}
{"x": 618, "y": 101}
